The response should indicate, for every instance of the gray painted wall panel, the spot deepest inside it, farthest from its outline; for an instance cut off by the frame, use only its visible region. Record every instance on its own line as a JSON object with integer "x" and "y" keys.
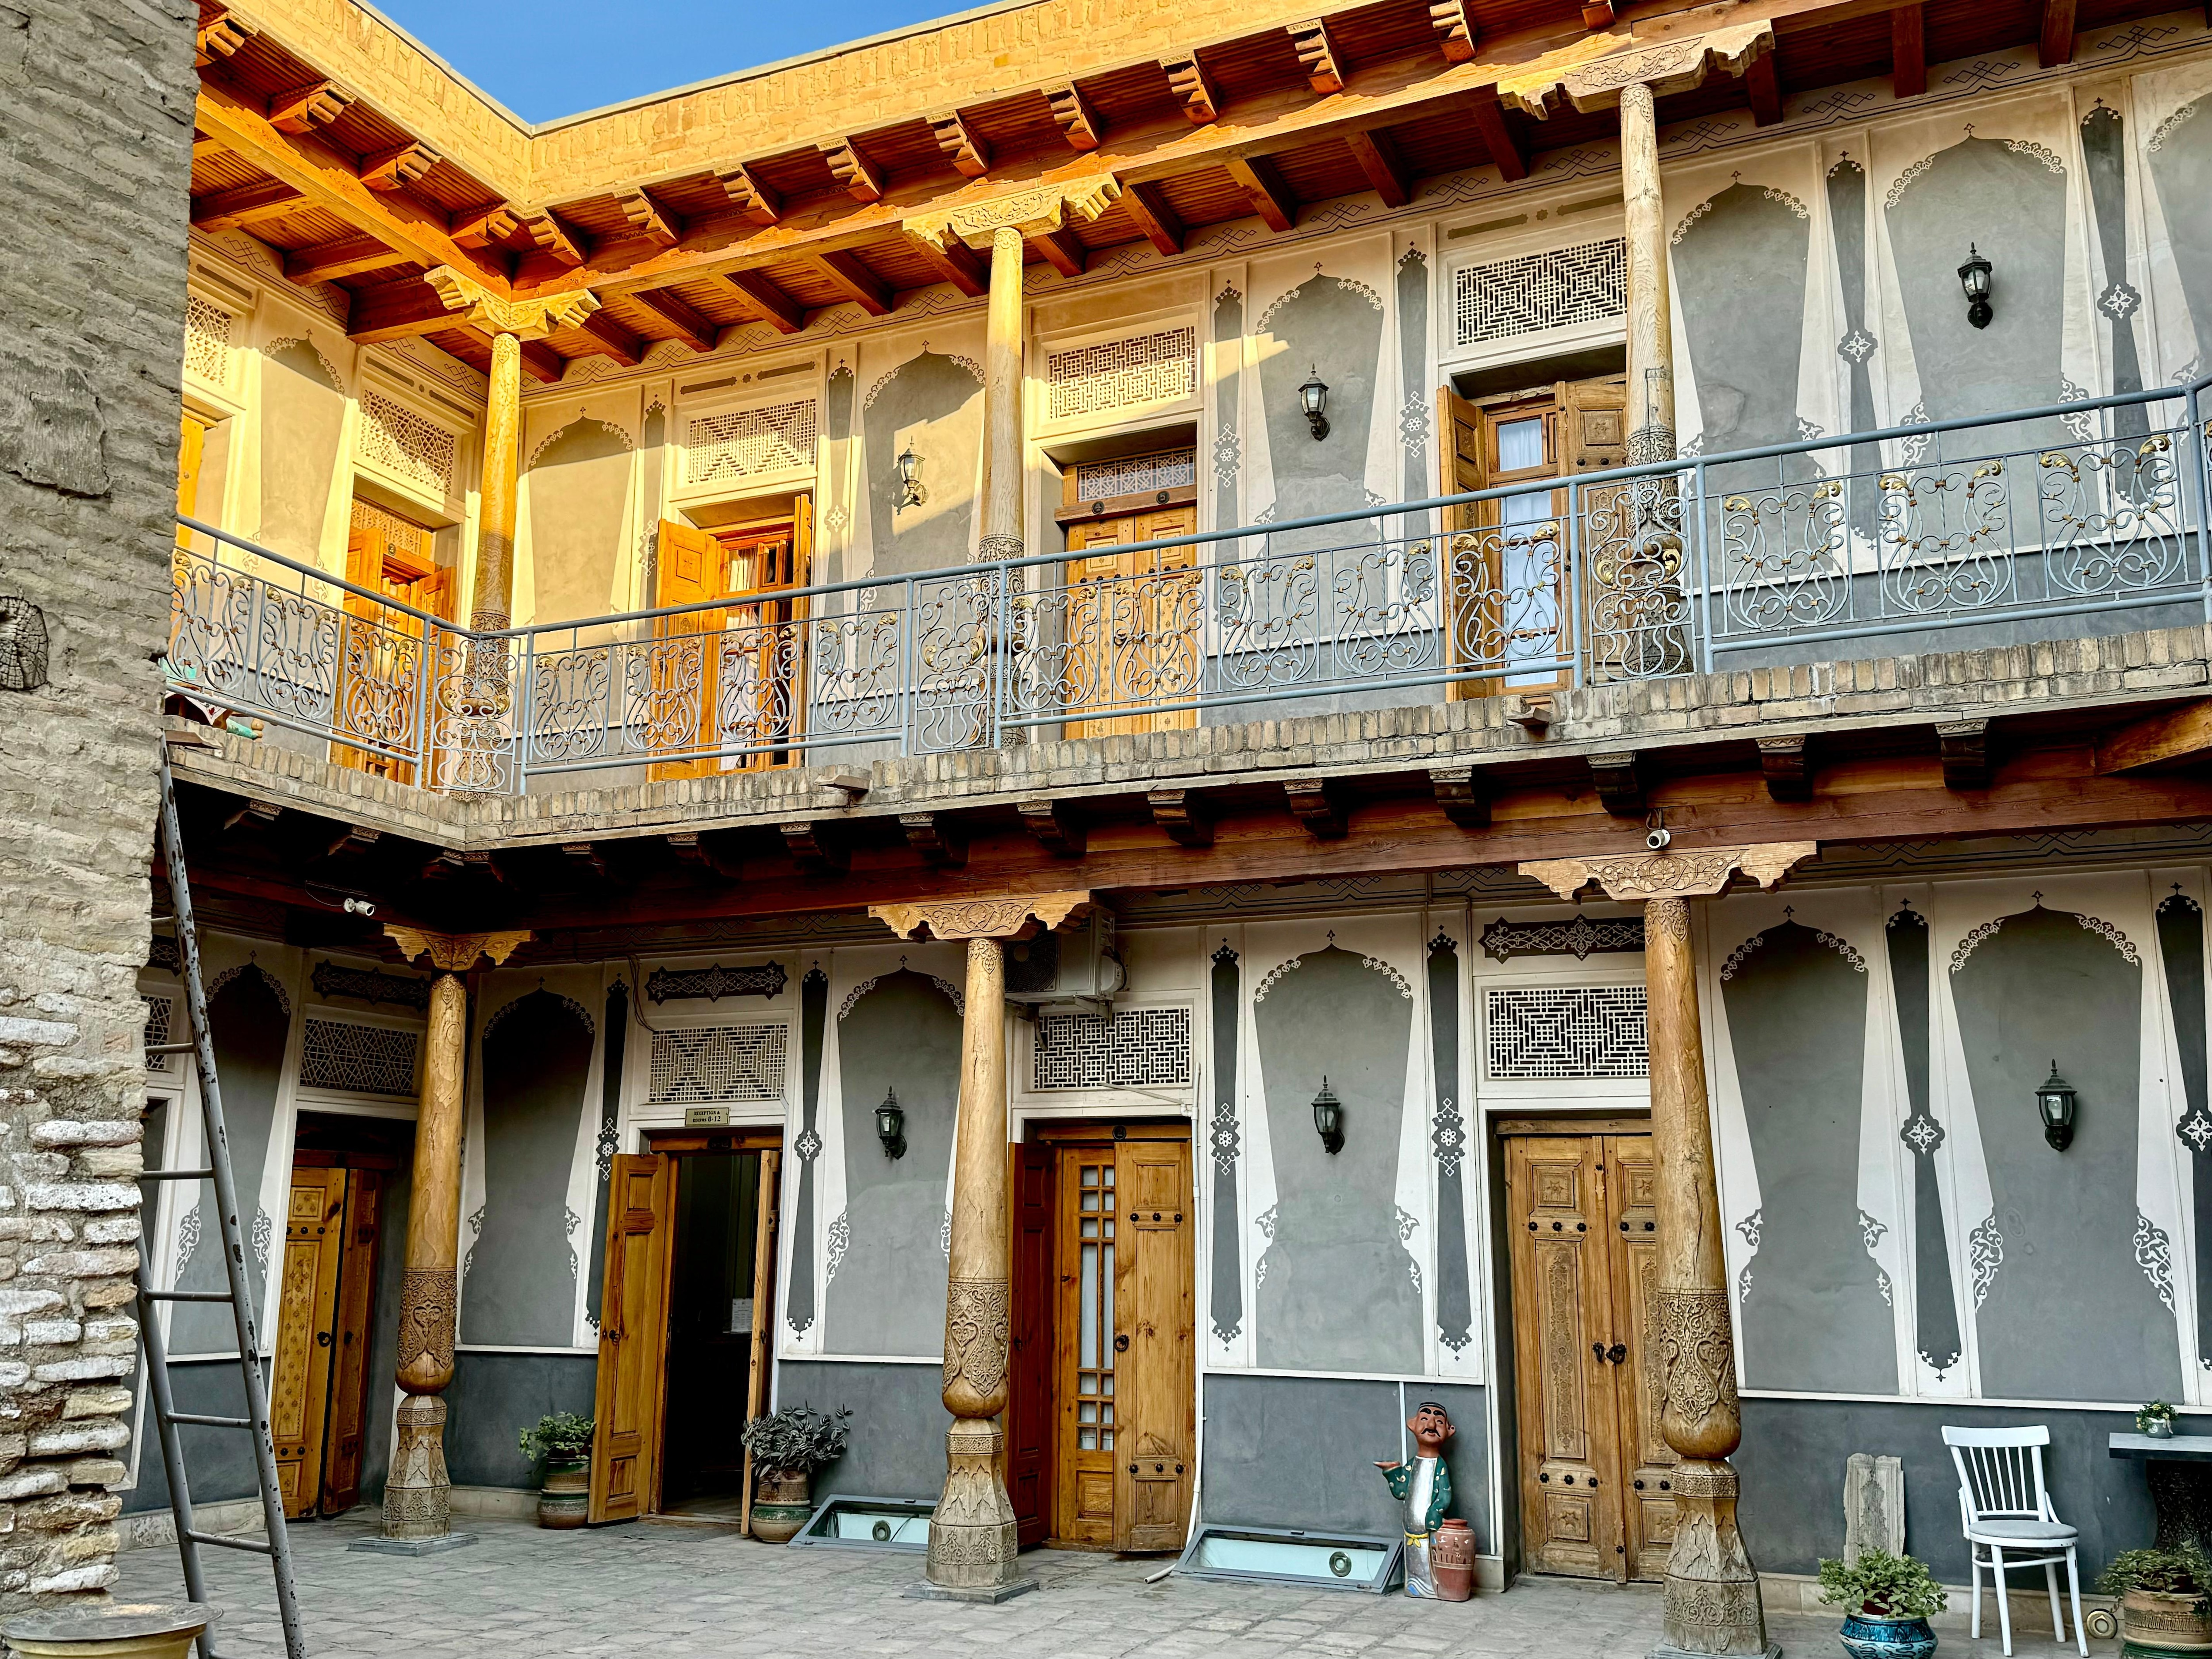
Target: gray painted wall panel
{"x": 495, "y": 1396}
{"x": 898, "y": 1446}
{"x": 936, "y": 402}
{"x": 251, "y": 1025}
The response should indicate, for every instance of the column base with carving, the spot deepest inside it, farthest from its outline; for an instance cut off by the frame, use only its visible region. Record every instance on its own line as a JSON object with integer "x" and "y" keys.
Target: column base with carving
{"x": 1712, "y": 1605}
{"x": 418, "y": 1496}
{"x": 973, "y": 1546}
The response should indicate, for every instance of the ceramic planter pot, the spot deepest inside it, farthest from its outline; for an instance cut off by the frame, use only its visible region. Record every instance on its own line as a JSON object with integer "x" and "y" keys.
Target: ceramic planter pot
{"x": 118, "y": 1629}
{"x": 2159, "y": 1428}
{"x": 780, "y": 1506}
{"x": 1451, "y": 1561}
{"x": 1865, "y": 1637}
{"x": 565, "y": 1499}
{"x": 2152, "y": 1621}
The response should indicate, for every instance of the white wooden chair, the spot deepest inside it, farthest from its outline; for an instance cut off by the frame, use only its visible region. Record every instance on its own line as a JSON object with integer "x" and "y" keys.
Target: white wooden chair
{"x": 2009, "y": 1521}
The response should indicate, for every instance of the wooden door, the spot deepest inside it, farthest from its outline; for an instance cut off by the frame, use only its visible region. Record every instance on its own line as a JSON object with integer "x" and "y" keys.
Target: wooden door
{"x": 1648, "y": 1462}
{"x": 685, "y": 659}
{"x": 356, "y": 1320}
{"x": 633, "y": 1338}
{"x": 1084, "y": 1371}
{"x": 1595, "y": 1476}
{"x": 1157, "y": 1430}
{"x": 299, "y": 1380}
{"x": 1132, "y": 621}
{"x": 763, "y": 1333}
{"x": 1029, "y": 1410}
{"x": 1467, "y": 567}
{"x": 761, "y": 681}
{"x": 191, "y": 451}
{"x": 385, "y": 655}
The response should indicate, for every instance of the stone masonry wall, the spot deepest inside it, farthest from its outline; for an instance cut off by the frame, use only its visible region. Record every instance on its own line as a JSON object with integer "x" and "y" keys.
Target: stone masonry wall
{"x": 99, "y": 97}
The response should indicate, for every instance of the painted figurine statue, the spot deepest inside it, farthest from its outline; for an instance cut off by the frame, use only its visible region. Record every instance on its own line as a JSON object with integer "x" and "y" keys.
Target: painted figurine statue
{"x": 1423, "y": 1487}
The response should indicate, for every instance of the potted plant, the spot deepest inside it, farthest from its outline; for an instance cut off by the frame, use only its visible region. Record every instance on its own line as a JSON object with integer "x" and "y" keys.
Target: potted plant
{"x": 563, "y": 1441}
{"x": 2164, "y": 1604}
{"x": 2156, "y": 1419}
{"x": 1886, "y": 1600}
{"x": 786, "y": 1447}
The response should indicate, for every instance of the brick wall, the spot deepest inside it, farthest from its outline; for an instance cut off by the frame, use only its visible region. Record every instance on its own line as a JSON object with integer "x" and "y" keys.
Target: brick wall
{"x": 99, "y": 95}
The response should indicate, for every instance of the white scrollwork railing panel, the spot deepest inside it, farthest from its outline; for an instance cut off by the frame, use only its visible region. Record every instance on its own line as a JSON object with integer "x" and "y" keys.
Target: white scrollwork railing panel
{"x": 1785, "y": 558}
{"x": 759, "y": 670}
{"x": 961, "y": 629}
{"x": 1503, "y": 591}
{"x": 1384, "y": 607}
{"x": 210, "y": 626}
{"x": 472, "y": 699}
{"x": 379, "y": 685}
{"x": 1266, "y": 611}
{"x": 1631, "y": 567}
{"x": 665, "y": 706}
{"x": 856, "y": 671}
{"x": 2110, "y": 518}
{"x": 573, "y": 715}
{"x": 1945, "y": 539}
{"x": 295, "y": 654}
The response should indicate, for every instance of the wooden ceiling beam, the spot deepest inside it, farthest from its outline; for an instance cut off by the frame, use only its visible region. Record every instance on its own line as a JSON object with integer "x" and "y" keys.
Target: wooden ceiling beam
{"x": 1262, "y": 182}
{"x": 1193, "y": 87}
{"x": 969, "y": 155}
{"x": 246, "y": 205}
{"x": 2172, "y": 735}
{"x": 1162, "y": 226}
{"x": 1061, "y": 250}
{"x": 1762, "y": 84}
{"x": 311, "y": 104}
{"x": 399, "y": 311}
{"x": 610, "y": 338}
{"x": 774, "y": 307}
{"x": 649, "y": 219}
{"x": 1908, "y": 51}
{"x": 204, "y": 147}
{"x": 1079, "y": 121}
{"x": 748, "y": 195}
{"x": 1385, "y": 168}
{"x": 1600, "y": 14}
{"x": 850, "y": 277}
{"x": 541, "y": 363}
{"x": 694, "y": 330}
{"x": 857, "y": 176}
{"x": 1317, "y": 56}
{"x": 349, "y": 256}
{"x": 2055, "y": 39}
{"x": 397, "y": 167}
{"x": 550, "y": 237}
{"x": 1502, "y": 136}
{"x": 328, "y": 178}
{"x": 954, "y": 261}
{"x": 1456, "y": 30}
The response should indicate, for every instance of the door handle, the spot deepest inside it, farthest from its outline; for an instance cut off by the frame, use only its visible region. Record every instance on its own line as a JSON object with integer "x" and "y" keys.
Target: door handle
{"x": 1597, "y": 1349}
{"x": 1122, "y": 1343}
{"x": 1617, "y": 1353}
{"x": 322, "y": 1338}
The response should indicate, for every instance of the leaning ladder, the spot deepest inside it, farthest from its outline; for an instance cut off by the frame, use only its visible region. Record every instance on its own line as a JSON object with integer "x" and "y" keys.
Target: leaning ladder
{"x": 274, "y": 1543}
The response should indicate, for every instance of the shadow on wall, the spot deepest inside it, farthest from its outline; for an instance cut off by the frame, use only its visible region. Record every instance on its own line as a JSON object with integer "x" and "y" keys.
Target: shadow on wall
{"x": 1334, "y": 327}
{"x": 579, "y": 485}
{"x": 933, "y": 404}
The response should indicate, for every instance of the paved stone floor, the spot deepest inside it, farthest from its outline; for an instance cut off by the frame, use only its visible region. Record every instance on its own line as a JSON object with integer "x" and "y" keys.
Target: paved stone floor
{"x": 667, "y": 1590}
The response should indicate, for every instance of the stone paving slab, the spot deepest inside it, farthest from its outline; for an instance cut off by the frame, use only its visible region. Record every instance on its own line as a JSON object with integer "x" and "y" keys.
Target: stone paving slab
{"x": 664, "y": 1590}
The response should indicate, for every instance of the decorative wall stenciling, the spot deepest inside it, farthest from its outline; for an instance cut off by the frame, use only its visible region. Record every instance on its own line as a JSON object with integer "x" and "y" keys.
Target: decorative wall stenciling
{"x": 714, "y": 983}
{"x": 2104, "y": 151}
{"x": 607, "y": 1142}
{"x": 1935, "y": 1335}
{"x": 2181, "y": 949}
{"x": 1741, "y": 269}
{"x": 695, "y": 1065}
{"x": 1554, "y": 289}
{"x": 250, "y": 1018}
{"x": 577, "y": 487}
{"x": 1566, "y": 1031}
{"x": 368, "y": 1060}
{"x": 1228, "y": 361}
{"x": 932, "y": 401}
{"x": 1333, "y": 326}
{"x": 332, "y": 979}
{"x": 1412, "y": 375}
{"x": 1580, "y": 937}
{"x": 2067, "y": 1222}
{"x": 813, "y": 1020}
{"x": 2177, "y": 159}
{"x": 1226, "y": 1299}
{"x": 1448, "y": 1140}
{"x": 1847, "y": 230}
{"x": 842, "y": 388}
{"x": 1796, "y": 1022}
{"x": 1133, "y": 1048}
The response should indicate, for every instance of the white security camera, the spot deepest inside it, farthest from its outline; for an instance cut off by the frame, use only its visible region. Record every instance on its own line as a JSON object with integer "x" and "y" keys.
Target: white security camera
{"x": 359, "y": 907}
{"x": 1658, "y": 839}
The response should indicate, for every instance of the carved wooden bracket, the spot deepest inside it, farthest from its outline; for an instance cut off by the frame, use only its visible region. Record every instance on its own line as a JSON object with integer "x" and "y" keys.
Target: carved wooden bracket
{"x": 550, "y": 237}
{"x": 937, "y": 837}
{"x": 1703, "y": 873}
{"x": 220, "y": 36}
{"x": 647, "y": 219}
{"x": 1036, "y": 212}
{"x": 1318, "y": 55}
{"x": 454, "y": 953}
{"x": 390, "y": 169}
{"x": 1193, "y": 87}
{"x": 533, "y": 319}
{"x": 814, "y": 852}
{"x": 1465, "y": 801}
{"x": 1055, "y": 824}
{"x": 854, "y": 171}
{"x": 1966, "y": 749}
{"x": 1315, "y": 803}
{"x": 1077, "y": 119}
{"x": 1456, "y": 31}
{"x": 981, "y": 918}
{"x": 1183, "y": 814}
{"x": 1664, "y": 65}
{"x": 303, "y": 108}
{"x": 1787, "y": 762}
{"x": 748, "y": 195}
{"x": 969, "y": 155}
{"x": 1620, "y": 783}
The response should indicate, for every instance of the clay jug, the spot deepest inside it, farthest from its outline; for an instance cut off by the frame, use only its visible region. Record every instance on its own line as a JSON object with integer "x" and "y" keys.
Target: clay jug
{"x": 1451, "y": 1561}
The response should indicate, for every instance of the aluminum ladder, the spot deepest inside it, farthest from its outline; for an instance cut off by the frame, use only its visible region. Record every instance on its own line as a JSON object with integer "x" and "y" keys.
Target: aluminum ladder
{"x": 274, "y": 1543}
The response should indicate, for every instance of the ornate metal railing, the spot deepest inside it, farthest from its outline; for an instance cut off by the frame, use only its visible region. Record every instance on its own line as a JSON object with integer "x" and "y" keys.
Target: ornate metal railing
{"x": 1903, "y": 537}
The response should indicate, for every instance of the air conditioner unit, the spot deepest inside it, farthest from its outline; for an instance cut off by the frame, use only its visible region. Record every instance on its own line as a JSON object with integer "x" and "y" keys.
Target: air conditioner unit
{"x": 1070, "y": 970}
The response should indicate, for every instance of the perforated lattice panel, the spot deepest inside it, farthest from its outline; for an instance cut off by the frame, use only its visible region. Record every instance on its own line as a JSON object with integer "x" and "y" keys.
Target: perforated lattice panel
{"x": 1136, "y": 1047}
{"x": 411, "y": 445}
{"x": 1568, "y": 285}
{"x": 718, "y": 1063}
{"x": 1144, "y": 368}
{"x": 362, "y": 1060}
{"x": 1566, "y": 1031}
{"x": 1132, "y": 474}
{"x": 207, "y": 340}
{"x": 749, "y": 440}
{"x": 160, "y": 1020}
{"x": 389, "y": 533}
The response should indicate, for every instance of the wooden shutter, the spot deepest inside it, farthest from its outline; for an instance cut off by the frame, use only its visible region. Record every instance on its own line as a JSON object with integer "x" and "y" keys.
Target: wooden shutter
{"x": 191, "y": 449}
{"x": 357, "y": 1319}
{"x": 1464, "y": 453}
{"x": 1157, "y": 1404}
{"x": 299, "y": 1381}
{"x": 765, "y": 1214}
{"x": 1471, "y": 616}
{"x": 1029, "y": 1411}
{"x": 1632, "y": 1231}
{"x": 686, "y": 668}
{"x": 633, "y": 1338}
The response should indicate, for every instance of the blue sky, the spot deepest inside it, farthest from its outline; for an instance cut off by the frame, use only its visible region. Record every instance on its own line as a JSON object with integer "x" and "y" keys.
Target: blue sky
{"x": 544, "y": 58}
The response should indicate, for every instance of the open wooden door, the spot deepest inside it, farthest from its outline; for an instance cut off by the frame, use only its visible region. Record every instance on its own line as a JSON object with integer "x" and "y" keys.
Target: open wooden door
{"x": 1467, "y": 566}
{"x": 356, "y": 1316}
{"x": 1633, "y": 1231}
{"x": 384, "y": 654}
{"x": 763, "y": 1333}
{"x": 1132, "y": 623}
{"x": 299, "y": 1382}
{"x": 1029, "y": 1411}
{"x": 686, "y": 659}
{"x": 1158, "y": 1403}
{"x": 632, "y": 1338}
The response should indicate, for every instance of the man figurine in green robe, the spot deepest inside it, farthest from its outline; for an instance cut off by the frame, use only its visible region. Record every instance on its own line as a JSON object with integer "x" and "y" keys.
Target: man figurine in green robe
{"x": 1423, "y": 1487}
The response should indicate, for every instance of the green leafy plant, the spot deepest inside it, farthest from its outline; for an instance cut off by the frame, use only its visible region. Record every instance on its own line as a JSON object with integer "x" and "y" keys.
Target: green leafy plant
{"x": 1882, "y": 1586}
{"x": 2185, "y": 1571}
{"x": 558, "y": 1437}
{"x": 2156, "y": 1412}
{"x": 796, "y": 1441}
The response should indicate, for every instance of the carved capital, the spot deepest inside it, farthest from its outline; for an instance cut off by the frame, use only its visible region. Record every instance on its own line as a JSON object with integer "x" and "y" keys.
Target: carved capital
{"x": 1700, "y": 874}
{"x": 454, "y": 953}
{"x": 1664, "y": 65}
{"x": 1038, "y": 211}
{"x": 979, "y": 918}
{"x": 531, "y": 319}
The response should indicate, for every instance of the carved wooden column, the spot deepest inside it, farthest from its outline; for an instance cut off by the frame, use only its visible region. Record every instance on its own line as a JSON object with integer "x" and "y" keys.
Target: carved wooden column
{"x": 971, "y": 1537}
{"x": 417, "y": 1506}
{"x": 1712, "y": 1604}
{"x": 492, "y": 606}
{"x": 1001, "y": 537}
{"x": 1650, "y": 310}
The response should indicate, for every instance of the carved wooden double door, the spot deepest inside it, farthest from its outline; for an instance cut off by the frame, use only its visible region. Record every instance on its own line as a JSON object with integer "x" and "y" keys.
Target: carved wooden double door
{"x": 319, "y": 1389}
{"x": 1596, "y": 1478}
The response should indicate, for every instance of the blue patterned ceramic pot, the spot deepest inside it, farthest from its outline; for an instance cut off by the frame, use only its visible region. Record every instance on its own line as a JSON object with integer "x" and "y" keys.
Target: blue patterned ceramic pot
{"x": 1887, "y": 1638}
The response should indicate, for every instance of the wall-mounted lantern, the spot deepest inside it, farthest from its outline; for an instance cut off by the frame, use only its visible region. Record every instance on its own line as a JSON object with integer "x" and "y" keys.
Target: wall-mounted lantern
{"x": 1313, "y": 398}
{"x": 1974, "y": 278}
{"x": 911, "y": 492}
{"x": 2055, "y": 1101}
{"x": 1328, "y": 1118}
{"x": 891, "y": 1125}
